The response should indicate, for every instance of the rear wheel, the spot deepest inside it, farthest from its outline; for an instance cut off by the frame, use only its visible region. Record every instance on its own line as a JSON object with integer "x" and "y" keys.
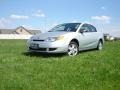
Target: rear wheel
{"x": 100, "y": 45}
{"x": 72, "y": 49}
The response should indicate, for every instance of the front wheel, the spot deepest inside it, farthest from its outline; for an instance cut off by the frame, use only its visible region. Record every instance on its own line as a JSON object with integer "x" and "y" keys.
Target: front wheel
{"x": 72, "y": 49}
{"x": 99, "y": 46}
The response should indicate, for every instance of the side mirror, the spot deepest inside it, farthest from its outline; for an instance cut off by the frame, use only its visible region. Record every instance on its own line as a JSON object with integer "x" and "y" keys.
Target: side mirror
{"x": 83, "y": 30}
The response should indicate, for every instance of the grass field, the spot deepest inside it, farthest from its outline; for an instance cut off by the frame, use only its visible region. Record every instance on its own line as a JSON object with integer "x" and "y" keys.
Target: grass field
{"x": 90, "y": 70}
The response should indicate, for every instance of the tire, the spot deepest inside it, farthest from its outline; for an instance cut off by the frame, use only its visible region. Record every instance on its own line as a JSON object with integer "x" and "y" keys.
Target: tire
{"x": 72, "y": 49}
{"x": 100, "y": 45}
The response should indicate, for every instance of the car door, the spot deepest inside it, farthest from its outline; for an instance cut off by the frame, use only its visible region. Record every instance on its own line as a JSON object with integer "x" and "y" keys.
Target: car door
{"x": 95, "y": 36}
{"x": 86, "y": 37}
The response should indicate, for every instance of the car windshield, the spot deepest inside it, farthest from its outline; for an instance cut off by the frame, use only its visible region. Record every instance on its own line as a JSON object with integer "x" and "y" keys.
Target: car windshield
{"x": 68, "y": 27}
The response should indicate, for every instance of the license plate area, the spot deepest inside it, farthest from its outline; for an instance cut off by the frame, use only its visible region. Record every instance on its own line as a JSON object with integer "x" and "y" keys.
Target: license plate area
{"x": 34, "y": 45}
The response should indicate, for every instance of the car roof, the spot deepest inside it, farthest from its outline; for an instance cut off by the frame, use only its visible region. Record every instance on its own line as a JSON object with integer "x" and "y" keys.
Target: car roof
{"x": 73, "y": 23}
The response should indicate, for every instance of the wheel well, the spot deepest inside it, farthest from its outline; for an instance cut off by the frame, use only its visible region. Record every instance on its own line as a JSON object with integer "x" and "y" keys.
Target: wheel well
{"x": 101, "y": 41}
{"x": 75, "y": 40}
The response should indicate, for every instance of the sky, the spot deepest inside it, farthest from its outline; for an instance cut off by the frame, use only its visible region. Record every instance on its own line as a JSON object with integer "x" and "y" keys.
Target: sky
{"x": 45, "y": 14}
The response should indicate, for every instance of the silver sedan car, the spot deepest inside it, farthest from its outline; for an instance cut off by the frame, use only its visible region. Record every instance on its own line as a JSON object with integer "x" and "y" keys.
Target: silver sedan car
{"x": 67, "y": 38}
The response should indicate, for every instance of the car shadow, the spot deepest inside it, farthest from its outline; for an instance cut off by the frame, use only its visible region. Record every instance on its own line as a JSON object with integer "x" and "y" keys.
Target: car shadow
{"x": 47, "y": 55}
{"x": 89, "y": 50}
{"x": 44, "y": 55}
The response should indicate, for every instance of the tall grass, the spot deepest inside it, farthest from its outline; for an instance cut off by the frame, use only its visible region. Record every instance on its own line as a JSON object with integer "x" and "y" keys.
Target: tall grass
{"x": 89, "y": 70}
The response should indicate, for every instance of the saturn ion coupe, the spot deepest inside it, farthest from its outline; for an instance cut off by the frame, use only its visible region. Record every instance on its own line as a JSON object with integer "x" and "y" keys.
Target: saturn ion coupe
{"x": 67, "y": 38}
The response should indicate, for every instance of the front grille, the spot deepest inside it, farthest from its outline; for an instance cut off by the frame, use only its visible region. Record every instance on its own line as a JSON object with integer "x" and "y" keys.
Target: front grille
{"x": 42, "y": 49}
{"x": 38, "y": 40}
{"x": 38, "y": 49}
{"x": 52, "y": 49}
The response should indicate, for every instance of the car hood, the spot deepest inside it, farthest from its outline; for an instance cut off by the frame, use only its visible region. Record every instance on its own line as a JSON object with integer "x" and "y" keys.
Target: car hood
{"x": 49, "y": 34}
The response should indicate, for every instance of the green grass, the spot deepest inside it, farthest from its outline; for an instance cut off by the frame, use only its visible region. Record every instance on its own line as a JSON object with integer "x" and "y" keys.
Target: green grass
{"x": 90, "y": 70}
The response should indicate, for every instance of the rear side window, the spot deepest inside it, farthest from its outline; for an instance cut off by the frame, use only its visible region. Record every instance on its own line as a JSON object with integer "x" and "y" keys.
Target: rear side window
{"x": 86, "y": 27}
{"x": 93, "y": 29}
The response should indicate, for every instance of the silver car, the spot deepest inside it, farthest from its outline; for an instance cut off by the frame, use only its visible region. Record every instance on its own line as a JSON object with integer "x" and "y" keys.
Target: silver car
{"x": 67, "y": 38}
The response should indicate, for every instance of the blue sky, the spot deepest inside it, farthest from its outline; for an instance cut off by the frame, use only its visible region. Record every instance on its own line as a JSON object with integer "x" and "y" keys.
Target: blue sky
{"x": 44, "y": 14}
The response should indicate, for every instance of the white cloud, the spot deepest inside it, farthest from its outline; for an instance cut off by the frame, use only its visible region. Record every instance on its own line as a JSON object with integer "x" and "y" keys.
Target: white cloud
{"x": 39, "y": 13}
{"x": 4, "y": 22}
{"x": 103, "y": 8}
{"x": 13, "y": 16}
{"x": 104, "y": 19}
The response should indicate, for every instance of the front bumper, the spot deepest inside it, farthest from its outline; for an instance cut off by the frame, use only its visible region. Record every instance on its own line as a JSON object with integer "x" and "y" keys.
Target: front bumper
{"x": 48, "y": 47}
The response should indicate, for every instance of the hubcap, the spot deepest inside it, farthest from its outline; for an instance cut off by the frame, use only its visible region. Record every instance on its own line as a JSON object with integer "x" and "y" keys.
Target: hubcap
{"x": 72, "y": 50}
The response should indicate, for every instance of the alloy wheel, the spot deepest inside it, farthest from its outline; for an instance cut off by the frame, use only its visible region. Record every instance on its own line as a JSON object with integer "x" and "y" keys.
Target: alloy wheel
{"x": 72, "y": 49}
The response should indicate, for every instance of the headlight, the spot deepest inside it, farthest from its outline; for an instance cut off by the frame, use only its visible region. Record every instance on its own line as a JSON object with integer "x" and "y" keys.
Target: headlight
{"x": 53, "y": 39}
